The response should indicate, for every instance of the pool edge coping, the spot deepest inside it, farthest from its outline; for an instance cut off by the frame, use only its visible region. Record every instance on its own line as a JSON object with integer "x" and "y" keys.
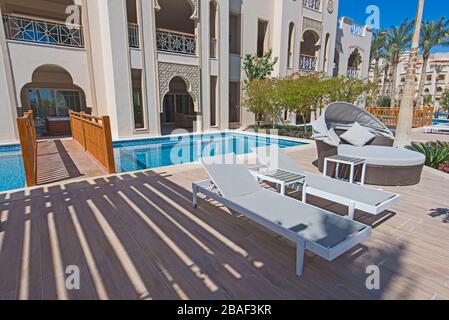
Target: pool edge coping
{"x": 307, "y": 144}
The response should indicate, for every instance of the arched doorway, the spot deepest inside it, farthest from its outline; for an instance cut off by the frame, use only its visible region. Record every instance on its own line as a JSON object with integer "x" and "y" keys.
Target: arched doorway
{"x": 309, "y": 48}
{"x": 51, "y": 94}
{"x": 178, "y": 107}
{"x": 355, "y": 64}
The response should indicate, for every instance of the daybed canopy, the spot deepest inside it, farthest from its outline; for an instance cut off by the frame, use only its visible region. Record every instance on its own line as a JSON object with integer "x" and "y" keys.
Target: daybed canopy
{"x": 341, "y": 115}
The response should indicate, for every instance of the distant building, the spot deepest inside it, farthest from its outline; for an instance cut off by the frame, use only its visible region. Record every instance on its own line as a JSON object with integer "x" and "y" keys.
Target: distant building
{"x": 435, "y": 84}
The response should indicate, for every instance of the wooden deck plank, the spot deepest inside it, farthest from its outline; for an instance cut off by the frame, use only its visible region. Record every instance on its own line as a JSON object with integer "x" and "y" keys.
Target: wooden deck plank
{"x": 136, "y": 236}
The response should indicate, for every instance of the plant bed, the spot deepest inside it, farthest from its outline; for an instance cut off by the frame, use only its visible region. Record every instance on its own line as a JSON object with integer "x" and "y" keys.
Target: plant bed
{"x": 445, "y": 167}
{"x": 437, "y": 154}
{"x": 284, "y": 130}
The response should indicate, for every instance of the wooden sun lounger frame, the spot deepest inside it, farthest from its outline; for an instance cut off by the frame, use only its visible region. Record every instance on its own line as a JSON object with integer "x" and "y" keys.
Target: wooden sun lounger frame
{"x": 207, "y": 188}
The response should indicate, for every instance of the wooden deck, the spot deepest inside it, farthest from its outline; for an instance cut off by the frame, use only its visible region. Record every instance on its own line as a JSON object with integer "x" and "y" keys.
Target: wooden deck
{"x": 63, "y": 160}
{"x": 138, "y": 237}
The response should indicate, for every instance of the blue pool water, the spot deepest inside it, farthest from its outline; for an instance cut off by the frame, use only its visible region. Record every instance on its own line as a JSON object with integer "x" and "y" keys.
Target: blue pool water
{"x": 11, "y": 168}
{"x": 160, "y": 152}
{"x": 440, "y": 121}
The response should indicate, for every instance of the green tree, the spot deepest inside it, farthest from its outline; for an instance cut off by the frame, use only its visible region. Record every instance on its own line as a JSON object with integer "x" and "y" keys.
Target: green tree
{"x": 433, "y": 34}
{"x": 378, "y": 51}
{"x": 259, "y": 99}
{"x": 259, "y": 68}
{"x": 428, "y": 99}
{"x": 346, "y": 89}
{"x": 300, "y": 94}
{"x": 398, "y": 41}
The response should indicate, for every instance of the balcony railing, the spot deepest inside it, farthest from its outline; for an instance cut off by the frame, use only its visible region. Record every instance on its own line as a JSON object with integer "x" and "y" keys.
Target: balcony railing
{"x": 358, "y": 30}
{"x": 290, "y": 60}
{"x": 175, "y": 42}
{"x": 312, "y": 4}
{"x": 353, "y": 73}
{"x": 38, "y": 31}
{"x": 307, "y": 63}
{"x": 133, "y": 35}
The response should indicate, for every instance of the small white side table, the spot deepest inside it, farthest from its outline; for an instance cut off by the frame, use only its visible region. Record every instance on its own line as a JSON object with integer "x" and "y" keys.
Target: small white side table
{"x": 282, "y": 178}
{"x": 350, "y": 161}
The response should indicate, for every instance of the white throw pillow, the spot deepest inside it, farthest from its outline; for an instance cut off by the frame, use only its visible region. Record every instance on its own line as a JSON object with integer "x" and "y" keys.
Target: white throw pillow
{"x": 357, "y": 135}
{"x": 332, "y": 138}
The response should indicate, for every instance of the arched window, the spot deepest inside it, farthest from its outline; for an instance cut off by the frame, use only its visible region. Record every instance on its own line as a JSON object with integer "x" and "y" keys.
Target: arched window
{"x": 327, "y": 48}
{"x": 291, "y": 44}
{"x": 309, "y": 49}
{"x": 354, "y": 64}
{"x": 213, "y": 29}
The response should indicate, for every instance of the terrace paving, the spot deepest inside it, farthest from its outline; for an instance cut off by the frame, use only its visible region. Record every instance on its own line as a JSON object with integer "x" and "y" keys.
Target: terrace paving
{"x": 136, "y": 236}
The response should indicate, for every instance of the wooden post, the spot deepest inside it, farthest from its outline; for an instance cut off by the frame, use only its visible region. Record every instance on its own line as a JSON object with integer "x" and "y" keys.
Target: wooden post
{"x": 83, "y": 140}
{"x": 28, "y": 144}
{"x": 108, "y": 140}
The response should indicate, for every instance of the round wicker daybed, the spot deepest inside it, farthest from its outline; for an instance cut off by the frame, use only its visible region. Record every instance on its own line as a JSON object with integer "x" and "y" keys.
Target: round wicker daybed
{"x": 386, "y": 166}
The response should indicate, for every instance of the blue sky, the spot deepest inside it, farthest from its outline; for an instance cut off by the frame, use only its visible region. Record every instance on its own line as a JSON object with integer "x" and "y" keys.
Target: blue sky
{"x": 393, "y": 12}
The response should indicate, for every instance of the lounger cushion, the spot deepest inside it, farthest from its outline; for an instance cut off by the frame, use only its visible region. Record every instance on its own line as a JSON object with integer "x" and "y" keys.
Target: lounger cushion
{"x": 383, "y": 156}
{"x": 232, "y": 183}
{"x": 312, "y": 223}
{"x": 358, "y": 135}
{"x": 354, "y": 192}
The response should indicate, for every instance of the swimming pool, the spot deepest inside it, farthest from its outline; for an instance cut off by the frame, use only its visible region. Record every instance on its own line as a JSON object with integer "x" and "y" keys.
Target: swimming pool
{"x": 11, "y": 168}
{"x": 440, "y": 121}
{"x": 167, "y": 151}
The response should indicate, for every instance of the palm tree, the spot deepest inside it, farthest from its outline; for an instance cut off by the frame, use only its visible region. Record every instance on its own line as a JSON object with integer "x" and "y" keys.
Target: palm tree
{"x": 398, "y": 42}
{"x": 405, "y": 119}
{"x": 378, "y": 51}
{"x": 433, "y": 34}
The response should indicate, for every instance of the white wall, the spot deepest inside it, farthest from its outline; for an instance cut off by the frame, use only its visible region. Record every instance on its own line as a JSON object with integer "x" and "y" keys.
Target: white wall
{"x": 27, "y": 57}
{"x": 112, "y": 66}
{"x": 329, "y": 26}
{"x": 347, "y": 42}
{"x": 8, "y": 103}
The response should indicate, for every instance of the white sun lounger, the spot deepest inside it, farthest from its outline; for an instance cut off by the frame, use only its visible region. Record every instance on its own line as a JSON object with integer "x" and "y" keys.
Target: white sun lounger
{"x": 355, "y": 197}
{"x": 319, "y": 231}
{"x": 438, "y": 128}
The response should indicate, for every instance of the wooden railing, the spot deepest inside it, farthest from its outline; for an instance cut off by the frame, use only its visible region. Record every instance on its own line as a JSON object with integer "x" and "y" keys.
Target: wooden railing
{"x": 28, "y": 143}
{"x": 94, "y": 135}
{"x": 389, "y": 116}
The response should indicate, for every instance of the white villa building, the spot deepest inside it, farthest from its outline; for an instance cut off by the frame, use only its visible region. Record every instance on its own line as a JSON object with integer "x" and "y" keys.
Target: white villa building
{"x": 156, "y": 65}
{"x": 436, "y": 83}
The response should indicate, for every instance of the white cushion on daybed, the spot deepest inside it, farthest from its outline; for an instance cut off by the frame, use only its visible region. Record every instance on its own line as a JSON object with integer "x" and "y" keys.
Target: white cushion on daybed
{"x": 358, "y": 135}
{"x": 332, "y": 138}
{"x": 383, "y": 156}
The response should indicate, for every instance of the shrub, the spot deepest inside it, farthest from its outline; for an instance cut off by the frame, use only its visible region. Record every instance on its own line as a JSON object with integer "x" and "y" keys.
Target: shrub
{"x": 437, "y": 153}
{"x": 384, "y": 102}
{"x": 284, "y": 130}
